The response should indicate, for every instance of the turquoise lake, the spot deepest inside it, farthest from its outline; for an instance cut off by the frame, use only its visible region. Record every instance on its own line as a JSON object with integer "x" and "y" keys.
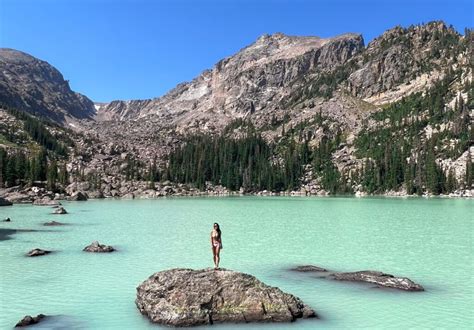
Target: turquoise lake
{"x": 427, "y": 240}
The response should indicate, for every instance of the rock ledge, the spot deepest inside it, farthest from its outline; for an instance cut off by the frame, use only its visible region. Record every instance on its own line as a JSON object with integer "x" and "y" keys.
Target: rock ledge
{"x": 187, "y": 297}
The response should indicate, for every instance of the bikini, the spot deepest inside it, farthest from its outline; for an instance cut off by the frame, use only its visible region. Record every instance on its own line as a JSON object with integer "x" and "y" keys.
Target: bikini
{"x": 215, "y": 242}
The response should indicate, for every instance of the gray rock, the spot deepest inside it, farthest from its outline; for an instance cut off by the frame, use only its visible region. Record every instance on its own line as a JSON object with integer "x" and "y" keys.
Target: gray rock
{"x": 368, "y": 276}
{"x": 29, "y": 320}
{"x": 78, "y": 196}
{"x": 379, "y": 278}
{"x": 97, "y": 247}
{"x": 60, "y": 210}
{"x": 186, "y": 297}
{"x": 17, "y": 197}
{"x": 5, "y": 202}
{"x": 46, "y": 201}
{"x": 37, "y": 252}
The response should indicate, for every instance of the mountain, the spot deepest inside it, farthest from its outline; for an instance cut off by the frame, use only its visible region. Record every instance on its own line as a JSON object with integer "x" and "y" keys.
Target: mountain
{"x": 304, "y": 114}
{"x": 254, "y": 79}
{"x": 36, "y": 87}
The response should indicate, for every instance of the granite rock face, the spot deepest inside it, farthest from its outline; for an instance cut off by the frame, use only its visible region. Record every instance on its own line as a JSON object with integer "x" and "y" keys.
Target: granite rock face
{"x": 186, "y": 297}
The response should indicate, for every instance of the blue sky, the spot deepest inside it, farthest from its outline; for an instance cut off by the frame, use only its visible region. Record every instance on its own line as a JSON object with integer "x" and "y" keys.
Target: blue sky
{"x": 125, "y": 49}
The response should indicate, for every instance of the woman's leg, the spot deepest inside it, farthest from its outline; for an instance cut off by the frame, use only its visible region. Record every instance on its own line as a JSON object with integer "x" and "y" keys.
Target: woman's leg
{"x": 214, "y": 252}
{"x": 218, "y": 250}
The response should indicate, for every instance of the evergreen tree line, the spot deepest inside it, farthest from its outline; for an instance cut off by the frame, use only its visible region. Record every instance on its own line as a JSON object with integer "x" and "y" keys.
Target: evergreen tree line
{"x": 253, "y": 164}
{"x": 397, "y": 152}
{"x": 249, "y": 162}
{"x": 38, "y": 132}
{"x": 19, "y": 168}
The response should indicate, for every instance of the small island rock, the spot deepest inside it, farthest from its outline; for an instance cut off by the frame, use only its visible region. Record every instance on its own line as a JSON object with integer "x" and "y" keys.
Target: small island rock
{"x": 60, "y": 210}
{"x": 97, "y": 247}
{"x": 37, "y": 252}
{"x": 187, "y": 297}
{"x": 29, "y": 320}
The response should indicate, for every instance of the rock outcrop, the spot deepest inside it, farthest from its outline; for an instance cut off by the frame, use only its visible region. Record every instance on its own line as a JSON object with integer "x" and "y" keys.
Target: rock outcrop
{"x": 367, "y": 276}
{"x": 97, "y": 247}
{"x": 30, "y": 320}
{"x": 37, "y": 252}
{"x": 186, "y": 297}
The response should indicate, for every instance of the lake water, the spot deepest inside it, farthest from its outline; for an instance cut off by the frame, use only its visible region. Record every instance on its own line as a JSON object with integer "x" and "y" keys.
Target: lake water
{"x": 427, "y": 240}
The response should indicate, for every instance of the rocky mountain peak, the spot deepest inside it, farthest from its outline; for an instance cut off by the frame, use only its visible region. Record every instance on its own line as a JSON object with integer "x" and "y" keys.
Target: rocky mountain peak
{"x": 35, "y": 86}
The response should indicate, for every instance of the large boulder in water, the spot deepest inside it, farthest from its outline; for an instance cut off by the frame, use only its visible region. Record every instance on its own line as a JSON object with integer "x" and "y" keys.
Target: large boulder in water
{"x": 29, "y": 320}
{"x": 97, "y": 247}
{"x": 60, "y": 210}
{"x": 379, "y": 278}
{"x": 187, "y": 297}
{"x": 37, "y": 252}
{"x": 5, "y": 202}
{"x": 368, "y": 276}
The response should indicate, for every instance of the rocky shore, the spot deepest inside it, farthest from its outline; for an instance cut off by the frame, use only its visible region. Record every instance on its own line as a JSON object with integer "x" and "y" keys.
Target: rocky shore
{"x": 141, "y": 190}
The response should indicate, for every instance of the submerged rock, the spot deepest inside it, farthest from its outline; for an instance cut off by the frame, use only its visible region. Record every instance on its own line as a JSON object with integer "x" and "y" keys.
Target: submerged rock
{"x": 60, "y": 210}
{"x": 5, "y": 202}
{"x": 54, "y": 223}
{"x": 368, "y": 276}
{"x": 37, "y": 252}
{"x": 97, "y": 247}
{"x": 379, "y": 278}
{"x": 29, "y": 320}
{"x": 309, "y": 268}
{"x": 187, "y": 297}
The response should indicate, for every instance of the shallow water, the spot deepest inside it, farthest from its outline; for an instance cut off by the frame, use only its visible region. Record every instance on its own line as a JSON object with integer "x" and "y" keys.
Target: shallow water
{"x": 427, "y": 240}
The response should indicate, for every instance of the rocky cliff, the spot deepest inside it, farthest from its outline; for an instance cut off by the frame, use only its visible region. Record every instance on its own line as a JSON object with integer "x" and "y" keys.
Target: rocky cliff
{"x": 36, "y": 87}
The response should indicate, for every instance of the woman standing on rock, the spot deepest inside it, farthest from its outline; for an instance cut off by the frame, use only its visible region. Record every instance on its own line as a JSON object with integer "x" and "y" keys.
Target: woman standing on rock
{"x": 216, "y": 244}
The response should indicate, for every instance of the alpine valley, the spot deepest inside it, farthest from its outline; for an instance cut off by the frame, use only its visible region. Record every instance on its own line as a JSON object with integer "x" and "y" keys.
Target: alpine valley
{"x": 285, "y": 115}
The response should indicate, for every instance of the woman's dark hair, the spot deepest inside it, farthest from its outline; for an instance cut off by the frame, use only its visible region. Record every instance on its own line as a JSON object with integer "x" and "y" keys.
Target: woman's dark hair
{"x": 218, "y": 229}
